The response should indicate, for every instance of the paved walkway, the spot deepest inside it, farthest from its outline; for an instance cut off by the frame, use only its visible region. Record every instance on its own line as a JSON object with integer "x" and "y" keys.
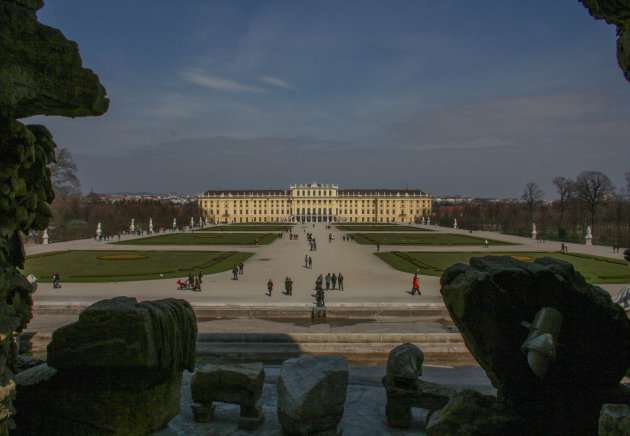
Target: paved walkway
{"x": 368, "y": 280}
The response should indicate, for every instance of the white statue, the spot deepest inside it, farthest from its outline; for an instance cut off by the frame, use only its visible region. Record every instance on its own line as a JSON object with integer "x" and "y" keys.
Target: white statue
{"x": 132, "y": 227}
{"x": 589, "y": 236}
{"x": 422, "y": 220}
{"x": 99, "y": 230}
{"x": 455, "y": 223}
{"x": 192, "y": 222}
{"x": 428, "y": 221}
{"x": 534, "y": 232}
{"x": 45, "y": 237}
{"x": 206, "y": 222}
{"x": 174, "y": 223}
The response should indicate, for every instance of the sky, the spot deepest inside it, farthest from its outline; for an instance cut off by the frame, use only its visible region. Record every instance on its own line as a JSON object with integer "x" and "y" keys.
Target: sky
{"x": 456, "y": 97}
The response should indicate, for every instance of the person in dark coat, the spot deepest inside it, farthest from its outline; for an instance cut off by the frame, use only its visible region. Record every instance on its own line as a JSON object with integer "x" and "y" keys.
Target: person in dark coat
{"x": 288, "y": 285}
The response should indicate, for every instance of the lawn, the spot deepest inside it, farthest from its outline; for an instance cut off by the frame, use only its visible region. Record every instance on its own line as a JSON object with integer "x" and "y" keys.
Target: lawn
{"x": 247, "y": 228}
{"x": 203, "y": 239}
{"x": 430, "y": 239}
{"x": 595, "y": 269}
{"x": 118, "y": 266}
{"x": 380, "y": 228}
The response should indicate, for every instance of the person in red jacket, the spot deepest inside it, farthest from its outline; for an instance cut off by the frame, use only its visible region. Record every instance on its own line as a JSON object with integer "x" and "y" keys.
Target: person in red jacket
{"x": 416, "y": 285}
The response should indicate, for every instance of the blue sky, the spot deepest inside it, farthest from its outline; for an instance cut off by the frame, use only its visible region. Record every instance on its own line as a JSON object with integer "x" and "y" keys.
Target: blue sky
{"x": 453, "y": 97}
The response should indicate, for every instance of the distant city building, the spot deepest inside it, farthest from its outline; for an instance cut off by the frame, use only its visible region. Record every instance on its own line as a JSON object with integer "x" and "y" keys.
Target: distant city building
{"x": 315, "y": 203}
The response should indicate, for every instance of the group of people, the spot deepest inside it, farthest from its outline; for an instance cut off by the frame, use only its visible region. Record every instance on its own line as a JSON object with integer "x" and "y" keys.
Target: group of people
{"x": 236, "y": 270}
{"x": 288, "y": 286}
{"x": 193, "y": 282}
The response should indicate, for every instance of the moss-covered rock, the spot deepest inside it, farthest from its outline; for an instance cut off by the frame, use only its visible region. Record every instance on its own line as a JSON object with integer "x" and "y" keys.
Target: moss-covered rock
{"x": 615, "y": 12}
{"x": 41, "y": 71}
{"x": 117, "y": 370}
{"x": 490, "y": 299}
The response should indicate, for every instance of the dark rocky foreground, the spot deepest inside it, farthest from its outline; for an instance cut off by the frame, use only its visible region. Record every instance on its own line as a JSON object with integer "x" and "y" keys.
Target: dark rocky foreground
{"x": 615, "y": 12}
{"x": 491, "y": 299}
{"x": 40, "y": 74}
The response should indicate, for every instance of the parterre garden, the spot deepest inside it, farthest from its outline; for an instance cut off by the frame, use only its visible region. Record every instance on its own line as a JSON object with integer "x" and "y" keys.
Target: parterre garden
{"x": 380, "y": 228}
{"x": 203, "y": 239}
{"x": 595, "y": 269}
{"x": 447, "y": 239}
{"x": 117, "y": 266}
{"x": 246, "y": 228}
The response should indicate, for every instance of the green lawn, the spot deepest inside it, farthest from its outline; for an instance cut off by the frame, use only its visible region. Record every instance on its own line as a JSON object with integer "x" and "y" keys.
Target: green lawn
{"x": 203, "y": 239}
{"x": 85, "y": 266}
{"x": 595, "y": 269}
{"x": 380, "y": 228}
{"x": 430, "y": 239}
{"x": 247, "y": 228}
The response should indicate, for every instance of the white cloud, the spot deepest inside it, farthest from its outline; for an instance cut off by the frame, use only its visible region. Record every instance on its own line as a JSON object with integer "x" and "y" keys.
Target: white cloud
{"x": 276, "y": 82}
{"x": 200, "y": 78}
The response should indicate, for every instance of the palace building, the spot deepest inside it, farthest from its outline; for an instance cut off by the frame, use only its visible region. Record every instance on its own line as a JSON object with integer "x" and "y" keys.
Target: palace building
{"x": 316, "y": 203}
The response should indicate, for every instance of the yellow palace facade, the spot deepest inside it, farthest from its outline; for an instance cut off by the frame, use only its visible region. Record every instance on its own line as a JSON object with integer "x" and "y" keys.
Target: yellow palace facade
{"x": 315, "y": 203}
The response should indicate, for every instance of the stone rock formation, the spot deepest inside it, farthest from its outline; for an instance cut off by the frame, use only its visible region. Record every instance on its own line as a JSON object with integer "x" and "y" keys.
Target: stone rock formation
{"x": 473, "y": 414}
{"x": 404, "y": 364}
{"x": 614, "y": 420}
{"x": 117, "y": 370}
{"x": 405, "y": 390}
{"x": 311, "y": 394}
{"x": 489, "y": 300}
{"x": 40, "y": 73}
{"x": 238, "y": 384}
{"x": 615, "y": 12}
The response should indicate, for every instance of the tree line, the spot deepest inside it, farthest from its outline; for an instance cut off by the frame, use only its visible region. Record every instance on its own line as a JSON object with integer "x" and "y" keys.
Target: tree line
{"x": 77, "y": 217}
{"x": 590, "y": 199}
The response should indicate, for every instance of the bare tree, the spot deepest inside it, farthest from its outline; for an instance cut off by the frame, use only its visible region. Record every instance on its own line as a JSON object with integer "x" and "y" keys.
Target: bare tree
{"x": 566, "y": 190}
{"x": 627, "y": 183}
{"x": 592, "y": 187}
{"x": 532, "y": 196}
{"x": 64, "y": 174}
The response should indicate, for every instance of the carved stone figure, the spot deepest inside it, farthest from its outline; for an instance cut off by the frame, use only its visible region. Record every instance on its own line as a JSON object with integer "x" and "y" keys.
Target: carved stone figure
{"x": 405, "y": 390}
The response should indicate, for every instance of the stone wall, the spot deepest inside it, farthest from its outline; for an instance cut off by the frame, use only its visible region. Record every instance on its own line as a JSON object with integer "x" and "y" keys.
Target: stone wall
{"x": 40, "y": 74}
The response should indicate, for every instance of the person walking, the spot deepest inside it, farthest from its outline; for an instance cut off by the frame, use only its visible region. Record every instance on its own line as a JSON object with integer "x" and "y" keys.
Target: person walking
{"x": 378, "y": 247}
{"x": 240, "y": 268}
{"x": 340, "y": 281}
{"x": 270, "y": 286}
{"x": 485, "y": 243}
{"x": 328, "y": 278}
{"x": 334, "y": 280}
{"x": 319, "y": 292}
{"x": 200, "y": 277}
{"x": 415, "y": 287}
{"x": 55, "y": 278}
{"x": 306, "y": 261}
{"x": 234, "y": 273}
{"x": 288, "y": 285}
{"x": 310, "y": 262}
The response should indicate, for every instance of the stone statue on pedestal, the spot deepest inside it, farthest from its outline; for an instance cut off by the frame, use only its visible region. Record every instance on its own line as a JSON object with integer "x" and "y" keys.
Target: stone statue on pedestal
{"x": 589, "y": 236}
